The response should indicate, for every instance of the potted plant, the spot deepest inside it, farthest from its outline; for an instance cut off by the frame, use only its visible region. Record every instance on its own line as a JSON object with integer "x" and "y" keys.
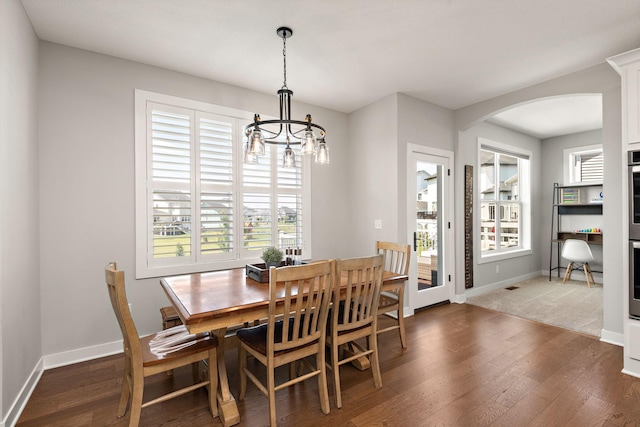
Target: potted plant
{"x": 272, "y": 256}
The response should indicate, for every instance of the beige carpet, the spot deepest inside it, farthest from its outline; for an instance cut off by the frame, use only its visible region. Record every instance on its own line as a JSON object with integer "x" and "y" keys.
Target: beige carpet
{"x": 572, "y": 306}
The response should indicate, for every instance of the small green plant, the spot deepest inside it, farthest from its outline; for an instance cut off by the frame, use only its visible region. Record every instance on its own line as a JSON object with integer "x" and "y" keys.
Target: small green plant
{"x": 179, "y": 249}
{"x": 272, "y": 256}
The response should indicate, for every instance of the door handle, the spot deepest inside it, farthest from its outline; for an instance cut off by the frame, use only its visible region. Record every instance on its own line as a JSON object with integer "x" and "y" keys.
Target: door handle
{"x": 415, "y": 241}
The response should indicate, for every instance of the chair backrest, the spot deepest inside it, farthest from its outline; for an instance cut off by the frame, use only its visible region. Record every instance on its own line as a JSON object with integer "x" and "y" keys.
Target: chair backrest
{"x": 396, "y": 256}
{"x": 118, "y": 296}
{"x": 357, "y": 286}
{"x": 576, "y": 250}
{"x": 303, "y": 292}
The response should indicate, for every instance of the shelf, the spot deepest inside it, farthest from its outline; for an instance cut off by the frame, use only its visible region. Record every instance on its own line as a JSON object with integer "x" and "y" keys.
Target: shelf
{"x": 580, "y": 199}
{"x": 592, "y": 238}
{"x": 580, "y": 209}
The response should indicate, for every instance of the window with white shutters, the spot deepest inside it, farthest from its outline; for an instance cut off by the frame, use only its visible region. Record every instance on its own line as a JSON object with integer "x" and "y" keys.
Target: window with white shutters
{"x": 584, "y": 165}
{"x": 198, "y": 206}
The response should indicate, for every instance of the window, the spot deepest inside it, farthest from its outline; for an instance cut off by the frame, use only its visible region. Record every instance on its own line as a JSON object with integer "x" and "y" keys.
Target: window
{"x": 583, "y": 164}
{"x": 198, "y": 206}
{"x": 504, "y": 199}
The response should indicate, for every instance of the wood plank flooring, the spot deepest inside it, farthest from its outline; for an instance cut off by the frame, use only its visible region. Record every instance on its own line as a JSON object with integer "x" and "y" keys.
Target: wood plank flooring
{"x": 465, "y": 366}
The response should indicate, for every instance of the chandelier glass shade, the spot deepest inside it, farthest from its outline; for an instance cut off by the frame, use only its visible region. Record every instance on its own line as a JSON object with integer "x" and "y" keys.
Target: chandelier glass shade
{"x": 285, "y": 131}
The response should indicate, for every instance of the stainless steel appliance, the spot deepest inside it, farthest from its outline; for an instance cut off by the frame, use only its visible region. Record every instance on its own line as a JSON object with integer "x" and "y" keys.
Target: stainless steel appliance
{"x": 634, "y": 279}
{"x": 634, "y": 234}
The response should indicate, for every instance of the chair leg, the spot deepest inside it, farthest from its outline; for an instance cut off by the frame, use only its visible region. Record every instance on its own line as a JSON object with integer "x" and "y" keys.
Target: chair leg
{"x": 213, "y": 381}
{"x": 403, "y": 337}
{"x": 242, "y": 363}
{"x": 136, "y": 399}
{"x": 335, "y": 369}
{"x": 125, "y": 394}
{"x": 375, "y": 360}
{"x": 323, "y": 388}
{"x": 588, "y": 274}
{"x": 567, "y": 274}
{"x": 271, "y": 395}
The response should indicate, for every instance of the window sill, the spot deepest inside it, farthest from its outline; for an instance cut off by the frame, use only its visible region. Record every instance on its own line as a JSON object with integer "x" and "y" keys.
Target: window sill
{"x": 517, "y": 253}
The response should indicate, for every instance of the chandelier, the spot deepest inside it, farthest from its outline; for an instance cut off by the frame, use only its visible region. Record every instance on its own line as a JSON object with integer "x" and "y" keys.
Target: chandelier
{"x": 285, "y": 131}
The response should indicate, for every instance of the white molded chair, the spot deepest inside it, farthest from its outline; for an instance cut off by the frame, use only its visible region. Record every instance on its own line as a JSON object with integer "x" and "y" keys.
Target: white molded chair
{"x": 579, "y": 255}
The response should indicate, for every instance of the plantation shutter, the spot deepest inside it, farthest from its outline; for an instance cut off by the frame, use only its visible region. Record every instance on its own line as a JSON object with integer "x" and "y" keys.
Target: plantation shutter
{"x": 289, "y": 206}
{"x": 256, "y": 201}
{"x": 199, "y": 207}
{"x": 217, "y": 215}
{"x": 171, "y": 196}
{"x": 591, "y": 166}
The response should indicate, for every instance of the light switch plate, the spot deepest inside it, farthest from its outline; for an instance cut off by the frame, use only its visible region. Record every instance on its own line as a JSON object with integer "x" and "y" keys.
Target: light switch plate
{"x": 377, "y": 224}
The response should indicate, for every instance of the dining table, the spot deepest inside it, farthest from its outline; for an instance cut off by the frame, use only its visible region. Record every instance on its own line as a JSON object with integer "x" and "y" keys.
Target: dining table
{"x": 215, "y": 301}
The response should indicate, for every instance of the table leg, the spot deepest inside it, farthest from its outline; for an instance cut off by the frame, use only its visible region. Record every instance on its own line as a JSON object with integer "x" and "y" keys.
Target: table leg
{"x": 361, "y": 363}
{"x": 229, "y": 414}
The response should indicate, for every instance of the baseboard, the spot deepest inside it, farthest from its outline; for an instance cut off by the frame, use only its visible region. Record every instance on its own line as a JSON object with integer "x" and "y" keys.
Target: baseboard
{"x": 459, "y": 298}
{"x": 54, "y": 361}
{"x": 82, "y": 354}
{"x": 614, "y": 338}
{"x": 633, "y": 374}
{"x": 480, "y": 290}
{"x": 13, "y": 414}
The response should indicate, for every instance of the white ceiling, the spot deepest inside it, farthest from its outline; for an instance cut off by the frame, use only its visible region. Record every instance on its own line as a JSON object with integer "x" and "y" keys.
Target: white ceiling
{"x": 346, "y": 54}
{"x": 551, "y": 117}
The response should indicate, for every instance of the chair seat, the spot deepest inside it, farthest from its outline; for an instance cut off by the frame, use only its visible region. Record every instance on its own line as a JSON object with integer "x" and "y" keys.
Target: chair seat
{"x": 256, "y": 337}
{"x": 387, "y": 300}
{"x": 150, "y": 359}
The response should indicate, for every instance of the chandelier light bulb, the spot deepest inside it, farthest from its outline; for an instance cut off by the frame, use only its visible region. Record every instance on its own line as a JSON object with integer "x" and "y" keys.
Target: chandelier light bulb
{"x": 308, "y": 143}
{"x": 256, "y": 143}
{"x": 322, "y": 153}
{"x": 289, "y": 158}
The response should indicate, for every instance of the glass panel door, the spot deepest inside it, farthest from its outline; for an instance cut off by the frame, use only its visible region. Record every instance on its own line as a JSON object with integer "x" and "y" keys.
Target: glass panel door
{"x": 430, "y": 202}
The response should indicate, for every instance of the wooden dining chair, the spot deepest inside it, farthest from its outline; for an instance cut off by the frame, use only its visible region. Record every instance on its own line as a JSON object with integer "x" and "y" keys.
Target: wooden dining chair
{"x": 295, "y": 329}
{"x": 156, "y": 353}
{"x": 396, "y": 260}
{"x": 354, "y": 316}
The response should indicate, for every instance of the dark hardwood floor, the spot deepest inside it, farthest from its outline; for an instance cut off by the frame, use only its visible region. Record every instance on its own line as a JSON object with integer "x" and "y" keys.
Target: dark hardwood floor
{"x": 465, "y": 366}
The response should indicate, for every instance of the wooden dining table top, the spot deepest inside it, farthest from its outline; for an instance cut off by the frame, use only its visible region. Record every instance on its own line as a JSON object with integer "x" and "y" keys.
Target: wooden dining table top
{"x": 220, "y": 299}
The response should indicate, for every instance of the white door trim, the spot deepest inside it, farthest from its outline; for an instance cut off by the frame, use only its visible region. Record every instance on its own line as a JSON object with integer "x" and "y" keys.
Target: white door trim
{"x": 449, "y": 233}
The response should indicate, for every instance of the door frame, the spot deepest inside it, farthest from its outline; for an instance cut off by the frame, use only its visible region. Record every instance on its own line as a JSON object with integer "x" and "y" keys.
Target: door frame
{"x": 448, "y": 238}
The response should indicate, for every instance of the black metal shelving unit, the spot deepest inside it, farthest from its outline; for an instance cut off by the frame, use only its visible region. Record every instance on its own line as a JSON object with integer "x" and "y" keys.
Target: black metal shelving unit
{"x": 570, "y": 205}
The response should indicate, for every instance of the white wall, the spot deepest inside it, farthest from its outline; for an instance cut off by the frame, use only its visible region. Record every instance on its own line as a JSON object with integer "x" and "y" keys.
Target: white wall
{"x": 379, "y": 134}
{"x": 420, "y": 123}
{"x": 599, "y": 79}
{"x": 87, "y": 187}
{"x": 373, "y": 175}
{"x": 467, "y": 154}
{"x": 20, "y": 334}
